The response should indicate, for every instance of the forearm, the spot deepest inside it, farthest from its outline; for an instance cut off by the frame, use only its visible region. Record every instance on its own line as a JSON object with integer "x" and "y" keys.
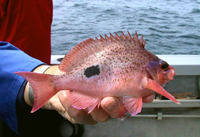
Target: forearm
{"x": 12, "y": 60}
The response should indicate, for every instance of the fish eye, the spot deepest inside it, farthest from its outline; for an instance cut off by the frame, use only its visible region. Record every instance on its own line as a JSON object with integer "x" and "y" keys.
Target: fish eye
{"x": 164, "y": 65}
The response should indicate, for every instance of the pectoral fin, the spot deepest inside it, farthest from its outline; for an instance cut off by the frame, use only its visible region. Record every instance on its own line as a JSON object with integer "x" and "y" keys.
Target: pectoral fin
{"x": 133, "y": 105}
{"x": 153, "y": 85}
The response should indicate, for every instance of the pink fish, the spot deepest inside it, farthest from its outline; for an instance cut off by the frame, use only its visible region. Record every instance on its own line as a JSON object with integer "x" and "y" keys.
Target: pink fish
{"x": 117, "y": 66}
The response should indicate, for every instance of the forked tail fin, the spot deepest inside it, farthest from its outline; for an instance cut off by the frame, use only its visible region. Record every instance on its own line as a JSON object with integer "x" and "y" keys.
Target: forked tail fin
{"x": 43, "y": 87}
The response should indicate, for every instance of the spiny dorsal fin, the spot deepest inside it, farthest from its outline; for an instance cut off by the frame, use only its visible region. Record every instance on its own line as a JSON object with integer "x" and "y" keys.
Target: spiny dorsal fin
{"x": 111, "y": 36}
{"x": 142, "y": 42}
{"x": 138, "y": 41}
{"x": 106, "y": 36}
{"x": 123, "y": 35}
{"x": 92, "y": 46}
{"x": 129, "y": 35}
{"x": 69, "y": 57}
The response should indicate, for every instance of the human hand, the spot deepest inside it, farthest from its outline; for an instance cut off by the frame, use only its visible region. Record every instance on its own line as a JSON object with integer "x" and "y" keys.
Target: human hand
{"x": 110, "y": 107}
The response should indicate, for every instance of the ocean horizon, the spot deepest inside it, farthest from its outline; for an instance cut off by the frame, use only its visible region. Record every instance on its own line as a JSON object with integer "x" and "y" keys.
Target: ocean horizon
{"x": 169, "y": 27}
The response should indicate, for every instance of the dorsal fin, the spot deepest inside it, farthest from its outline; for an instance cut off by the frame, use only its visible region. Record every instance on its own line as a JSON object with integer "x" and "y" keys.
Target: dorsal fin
{"x": 123, "y": 35}
{"x": 117, "y": 36}
{"x": 139, "y": 42}
{"x": 69, "y": 57}
{"x": 142, "y": 42}
{"x": 112, "y": 37}
{"x": 106, "y": 36}
{"x": 92, "y": 46}
{"x": 129, "y": 35}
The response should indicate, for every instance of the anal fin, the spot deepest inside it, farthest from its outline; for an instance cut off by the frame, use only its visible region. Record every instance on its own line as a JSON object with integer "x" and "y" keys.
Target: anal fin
{"x": 133, "y": 105}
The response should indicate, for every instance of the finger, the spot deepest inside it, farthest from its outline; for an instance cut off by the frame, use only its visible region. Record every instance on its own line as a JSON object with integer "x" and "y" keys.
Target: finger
{"x": 99, "y": 115}
{"x": 114, "y": 107}
{"x": 149, "y": 98}
{"x": 54, "y": 103}
{"x": 73, "y": 114}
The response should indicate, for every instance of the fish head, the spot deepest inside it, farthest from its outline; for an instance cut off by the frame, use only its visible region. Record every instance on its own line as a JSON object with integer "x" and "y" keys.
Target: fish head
{"x": 160, "y": 71}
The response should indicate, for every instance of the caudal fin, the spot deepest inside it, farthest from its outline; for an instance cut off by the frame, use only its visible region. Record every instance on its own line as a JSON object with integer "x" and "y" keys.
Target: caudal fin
{"x": 43, "y": 87}
{"x": 152, "y": 85}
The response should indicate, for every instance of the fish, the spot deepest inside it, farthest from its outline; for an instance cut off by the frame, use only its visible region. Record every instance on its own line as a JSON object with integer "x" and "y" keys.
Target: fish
{"x": 114, "y": 66}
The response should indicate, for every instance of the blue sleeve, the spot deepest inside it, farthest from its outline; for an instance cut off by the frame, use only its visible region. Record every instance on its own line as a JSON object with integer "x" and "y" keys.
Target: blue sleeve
{"x": 11, "y": 60}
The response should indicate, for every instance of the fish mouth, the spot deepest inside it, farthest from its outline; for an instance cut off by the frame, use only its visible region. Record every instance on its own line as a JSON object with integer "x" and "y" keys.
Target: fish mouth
{"x": 172, "y": 73}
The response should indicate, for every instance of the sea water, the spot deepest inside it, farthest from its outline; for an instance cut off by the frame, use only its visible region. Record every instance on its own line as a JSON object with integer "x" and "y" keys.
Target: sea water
{"x": 168, "y": 26}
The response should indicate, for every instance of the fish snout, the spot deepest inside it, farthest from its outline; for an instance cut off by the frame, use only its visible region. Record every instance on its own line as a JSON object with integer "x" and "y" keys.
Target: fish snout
{"x": 172, "y": 73}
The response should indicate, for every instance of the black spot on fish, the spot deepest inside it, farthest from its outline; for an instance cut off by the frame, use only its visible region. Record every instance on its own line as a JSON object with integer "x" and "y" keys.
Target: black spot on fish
{"x": 92, "y": 71}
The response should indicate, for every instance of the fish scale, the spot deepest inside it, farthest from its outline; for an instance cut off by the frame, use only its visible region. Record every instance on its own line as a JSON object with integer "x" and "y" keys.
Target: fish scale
{"x": 117, "y": 66}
